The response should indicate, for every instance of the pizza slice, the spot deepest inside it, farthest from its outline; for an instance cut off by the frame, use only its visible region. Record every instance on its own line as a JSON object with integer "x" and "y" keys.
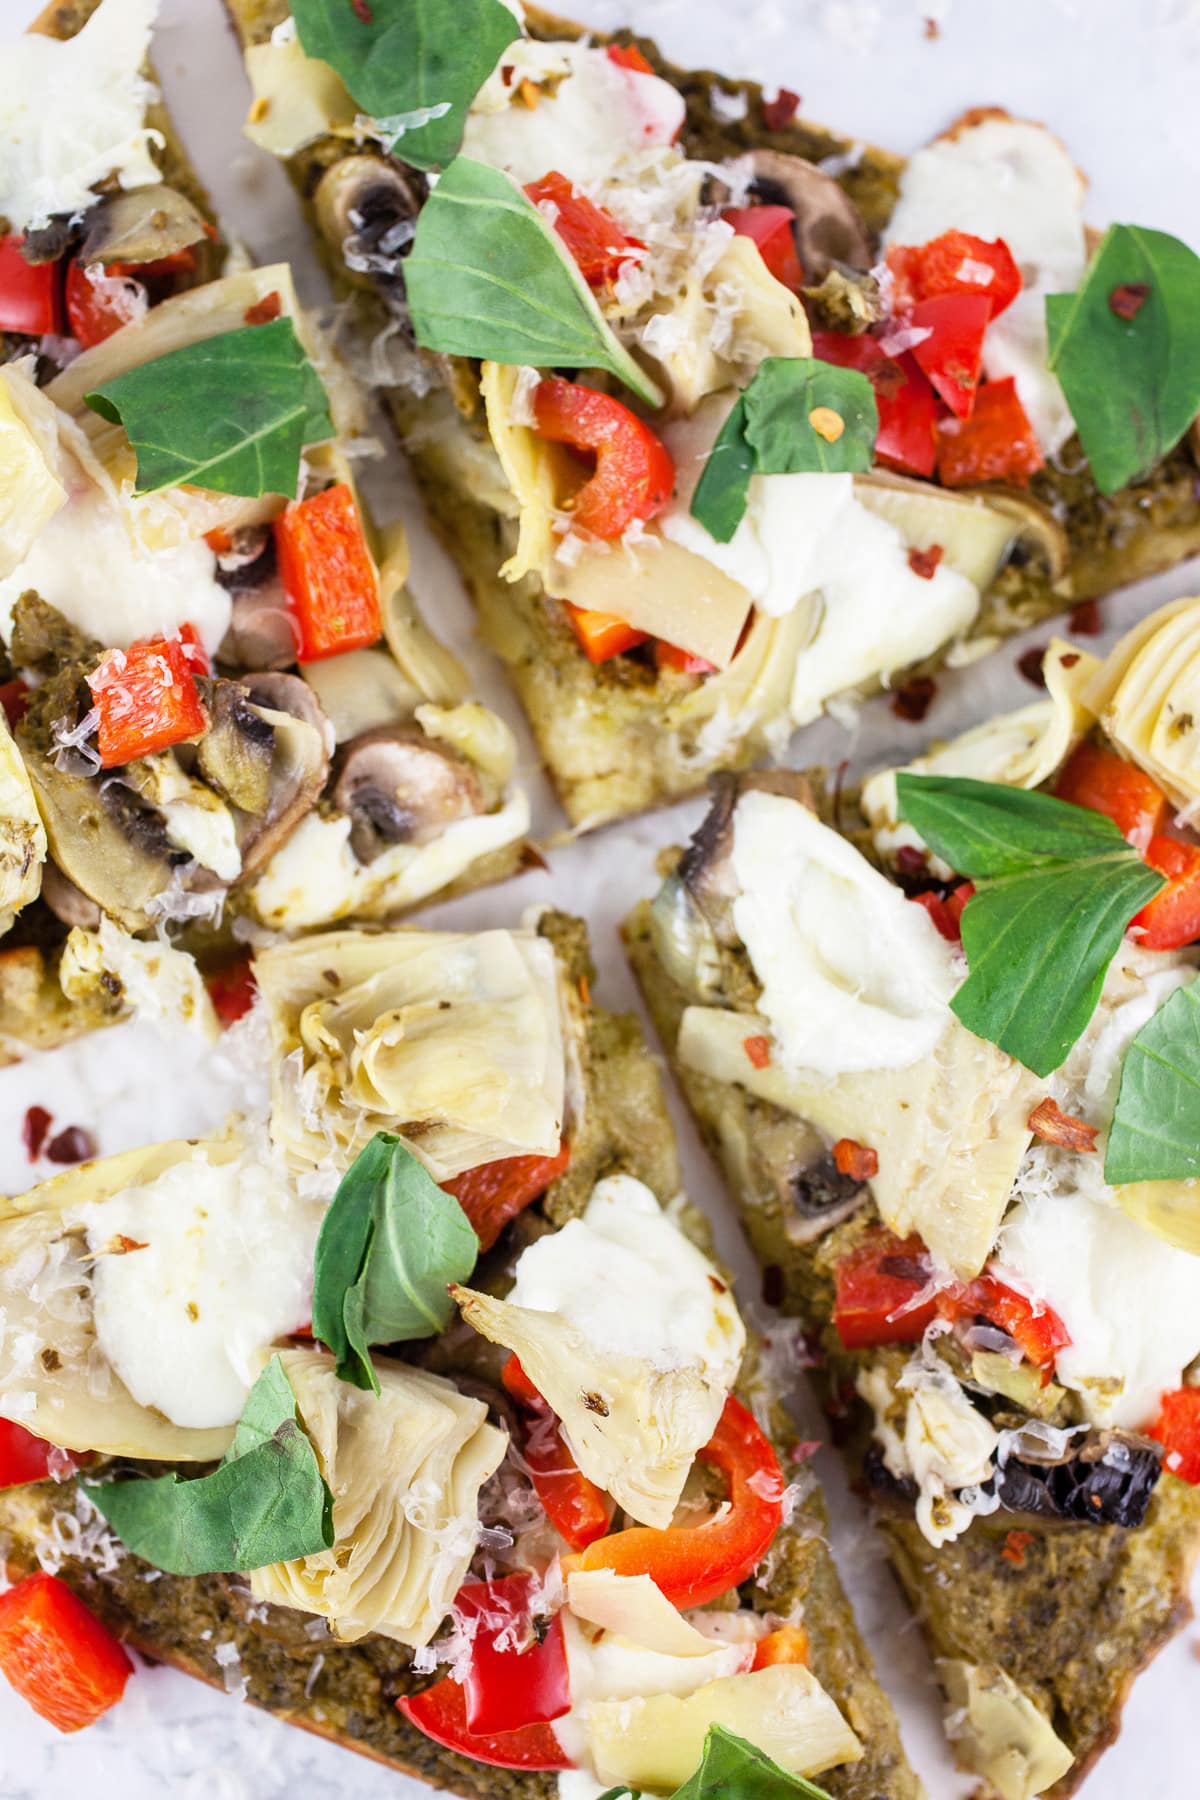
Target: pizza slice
{"x": 411, "y": 1403}
{"x": 724, "y": 418}
{"x": 940, "y": 1035}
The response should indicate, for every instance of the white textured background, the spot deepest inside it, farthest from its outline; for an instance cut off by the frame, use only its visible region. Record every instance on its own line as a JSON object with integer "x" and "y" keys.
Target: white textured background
{"x": 1117, "y": 79}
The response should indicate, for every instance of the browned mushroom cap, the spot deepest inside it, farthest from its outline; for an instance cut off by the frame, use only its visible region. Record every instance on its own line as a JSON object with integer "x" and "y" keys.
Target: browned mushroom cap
{"x": 66, "y": 901}
{"x": 829, "y": 227}
{"x": 400, "y": 787}
{"x": 299, "y": 764}
{"x": 705, "y": 866}
{"x": 142, "y": 225}
{"x": 366, "y": 211}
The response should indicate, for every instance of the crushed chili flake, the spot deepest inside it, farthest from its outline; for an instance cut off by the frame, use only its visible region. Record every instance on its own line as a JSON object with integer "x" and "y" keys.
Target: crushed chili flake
{"x": 507, "y": 71}
{"x": 773, "y": 1286}
{"x": 73, "y": 1145}
{"x": 126, "y": 1245}
{"x": 1085, "y": 619}
{"x": 826, "y": 423}
{"x": 758, "y": 1050}
{"x": 14, "y": 698}
{"x": 910, "y": 860}
{"x": 854, "y": 1159}
{"x": 1015, "y": 1545}
{"x": 1030, "y": 664}
{"x": 585, "y": 990}
{"x": 259, "y": 109}
{"x": 779, "y": 112}
{"x": 34, "y": 1129}
{"x": 1127, "y": 301}
{"x": 1070, "y": 659}
{"x": 362, "y": 11}
{"x": 925, "y": 562}
{"x": 264, "y": 310}
{"x": 1049, "y": 1122}
{"x": 932, "y": 29}
{"x": 913, "y": 699}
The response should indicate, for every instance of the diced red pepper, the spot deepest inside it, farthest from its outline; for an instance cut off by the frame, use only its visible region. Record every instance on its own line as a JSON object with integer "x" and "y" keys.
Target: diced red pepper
{"x": 579, "y": 1511}
{"x": 441, "y": 1713}
{"x": 1035, "y": 1327}
{"x": 903, "y": 398}
{"x": 857, "y": 1160}
{"x": 670, "y": 656}
{"x": 232, "y": 990}
{"x": 57, "y": 1655}
{"x": 193, "y": 648}
{"x": 1104, "y": 782}
{"x": 147, "y": 700}
{"x": 696, "y": 1564}
{"x": 877, "y": 1290}
{"x": 14, "y": 698}
{"x": 96, "y": 308}
{"x": 602, "y": 635}
{"x": 23, "y": 1457}
{"x": 947, "y": 911}
{"x": 788, "y": 1644}
{"x": 952, "y": 354}
{"x": 772, "y": 228}
{"x": 955, "y": 263}
{"x": 758, "y": 1051}
{"x": 997, "y": 443}
{"x": 1172, "y": 918}
{"x": 30, "y": 293}
{"x": 496, "y": 1192}
{"x": 592, "y": 236}
{"x": 779, "y": 113}
{"x": 628, "y": 56}
{"x": 1177, "y": 1429}
{"x": 634, "y": 473}
{"x": 328, "y": 574}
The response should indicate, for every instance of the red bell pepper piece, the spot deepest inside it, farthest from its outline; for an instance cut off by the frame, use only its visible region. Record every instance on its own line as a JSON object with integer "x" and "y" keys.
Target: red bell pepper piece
{"x": 232, "y": 990}
{"x": 30, "y": 293}
{"x": 1177, "y": 1429}
{"x": 592, "y": 236}
{"x": 634, "y": 472}
{"x": 328, "y": 574}
{"x": 628, "y": 56}
{"x": 496, "y": 1192}
{"x": 947, "y": 911}
{"x": 955, "y": 263}
{"x": 788, "y": 1644}
{"x": 904, "y": 399}
{"x": 441, "y": 1713}
{"x": 670, "y": 656}
{"x": 952, "y": 354}
{"x": 773, "y": 229}
{"x": 997, "y": 443}
{"x": 696, "y": 1564}
{"x": 146, "y": 698}
{"x": 23, "y": 1457}
{"x": 602, "y": 635}
{"x": 579, "y": 1511}
{"x": 57, "y": 1655}
{"x": 14, "y": 699}
{"x": 1036, "y": 1328}
{"x": 1103, "y": 781}
{"x": 95, "y": 309}
{"x": 1172, "y": 918}
{"x": 877, "y": 1290}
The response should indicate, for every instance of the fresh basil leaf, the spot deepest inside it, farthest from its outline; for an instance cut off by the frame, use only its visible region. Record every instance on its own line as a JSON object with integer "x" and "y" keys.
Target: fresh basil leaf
{"x": 488, "y": 277}
{"x": 419, "y": 61}
{"x": 232, "y": 413}
{"x": 1155, "y": 1132}
{"x": 390, "y": 1243}
{"x": 771, "y": 432}
{"x": 732, "y": 1769}
{"x": 267, "y": 1502}
{"x": 1126, "y": 348}
{"x": 1056, "y": 886}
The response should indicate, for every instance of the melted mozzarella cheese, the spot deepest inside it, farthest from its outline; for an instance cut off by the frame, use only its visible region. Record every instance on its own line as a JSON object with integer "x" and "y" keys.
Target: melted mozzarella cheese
{"x": 72, "y": 114}
{"x": 854, "y": 976}
{"x": 1007, "y": 178}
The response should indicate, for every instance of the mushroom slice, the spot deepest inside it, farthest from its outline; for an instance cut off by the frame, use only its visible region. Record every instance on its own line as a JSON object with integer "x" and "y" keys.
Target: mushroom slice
{"x": 67, "y": 902}
{"x": 141, "y": 225}
{"x": 829, "y": 227}
{"x": 366, "y": 211}
{"x": 299, "y": 765}
{"x": 705, "y": 867}
{"x": 236, "y": 752}
{"x": 398, "y": 787}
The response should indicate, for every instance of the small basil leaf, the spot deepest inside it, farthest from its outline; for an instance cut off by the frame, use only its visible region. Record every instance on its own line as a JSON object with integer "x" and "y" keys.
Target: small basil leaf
{"x": 1056, "y": 887}
{"x": 390, "y": 1244}
{"x": 419, "y": 61}
{"x": 1155, "y": 1133}
{"x": 771, "y": 432}
{"x": 1126, "y": 348}
{"x": 732, "y": 1767}
{"x": 231, "y": 413}
{"x": 267, "y": 1502}
{"x": 488, "y": 277}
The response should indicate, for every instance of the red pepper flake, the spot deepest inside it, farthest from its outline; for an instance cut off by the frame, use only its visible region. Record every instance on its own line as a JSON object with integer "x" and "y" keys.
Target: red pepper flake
{"x": 854, "y": 1159}
{"x": 1070, "y": 659}
{"x": 910, "y": 860}
{"x": 758, "y": 1050}
{"x": 362, "y": 12}
{"x": 264, "y": 310}
{"x": 74, "y": 1145}
{"x": 1085, "y": 619}
{"x": 773, "y": 1286}
{"x": 1127, "y": 301}
{"x": 806, "y": 1448}
{"x": 1030, "y": 664}
{"x": 585, "y": 990}
{"x": 507, "y": 71}
{"x": 14, "y": 698}
{"x": 1049, "y": 1122}
{"x": 913, "y": 699}
{"x": 1015, "y": 1545}
{"x": 126, "y": 1245}
{"x": 933, "y": 30}
{"x": 780, "y": 111}
{"x": 925, "y": 562}
{"x": 33, "y": 1131}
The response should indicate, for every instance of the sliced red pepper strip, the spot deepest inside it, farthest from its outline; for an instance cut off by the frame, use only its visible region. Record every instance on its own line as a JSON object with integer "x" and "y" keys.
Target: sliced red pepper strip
{"x": 496, "y": 1192}
{"x": 1172, "y": 918}
{"x": 876, "y": 1289}
{"x": 23, "y": 1457}
{"x": 30, "y": 293}
{"x": 517, "y": 1675}
{"x": 592, "y": 236}
{"x": 628, "y": 56}
{"x": 602, "y": 635}
{"x": 579, "y": 1511}
{"x": 328, "y": 574}
{"x": 1177, "y": 1429}
{"x": 696, "y": 1564}
{"x": 997, "y": 443}
{"x": 441, "y": 1713}
{"x": 96, "y": 308}
{"x": 670, "y": 656}
{"x": 1038, "y": 1329}
{"x": 147, "y": 700}
{"x": 232, "y": 990}
{"x": 952, "y": 354}
{"x": 772, "y": 228}
{"x": 57, "y": 1655}
{"x": 634, "y": 472}
{"x": 955, "y": 263}
{"x": 1100, "y": 779}
{"x": 903, "y": 398}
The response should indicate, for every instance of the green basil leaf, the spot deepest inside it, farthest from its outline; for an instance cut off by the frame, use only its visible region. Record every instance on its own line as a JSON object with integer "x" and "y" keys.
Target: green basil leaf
{"x": 732, "y": 1769}
{"x": 488, "y": 277}
{"x": 1133, "y": 384}
{"x": 232, "y": 413}
{"x": 390, "y": 1243}
{"x": 1155, "y": 1133}
{"x": 769, "y": 432}
{"x": 267, "y": 1502}
{"x": 1056, "y": 887}
{"x": 415, "y": 64}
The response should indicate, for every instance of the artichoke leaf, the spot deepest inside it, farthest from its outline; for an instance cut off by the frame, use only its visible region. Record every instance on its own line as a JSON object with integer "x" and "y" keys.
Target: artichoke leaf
{"x": 22, "y": 834}
{"x": 1147, "y": 696}
{"x": 999, "y": 1732}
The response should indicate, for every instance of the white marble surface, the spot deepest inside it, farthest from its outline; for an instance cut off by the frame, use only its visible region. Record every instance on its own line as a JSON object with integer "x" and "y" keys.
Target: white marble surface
{"x": 1118, "y": 81}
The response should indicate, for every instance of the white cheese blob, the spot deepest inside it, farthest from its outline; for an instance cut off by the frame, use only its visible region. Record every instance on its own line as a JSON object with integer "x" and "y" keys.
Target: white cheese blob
{"x": 72, "y": 114}
{"x": 592, "y": 113}
{"x": 226, "y": 1270}
{"x": 1012, "y": 179}
{"x": 854, "y": 976}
